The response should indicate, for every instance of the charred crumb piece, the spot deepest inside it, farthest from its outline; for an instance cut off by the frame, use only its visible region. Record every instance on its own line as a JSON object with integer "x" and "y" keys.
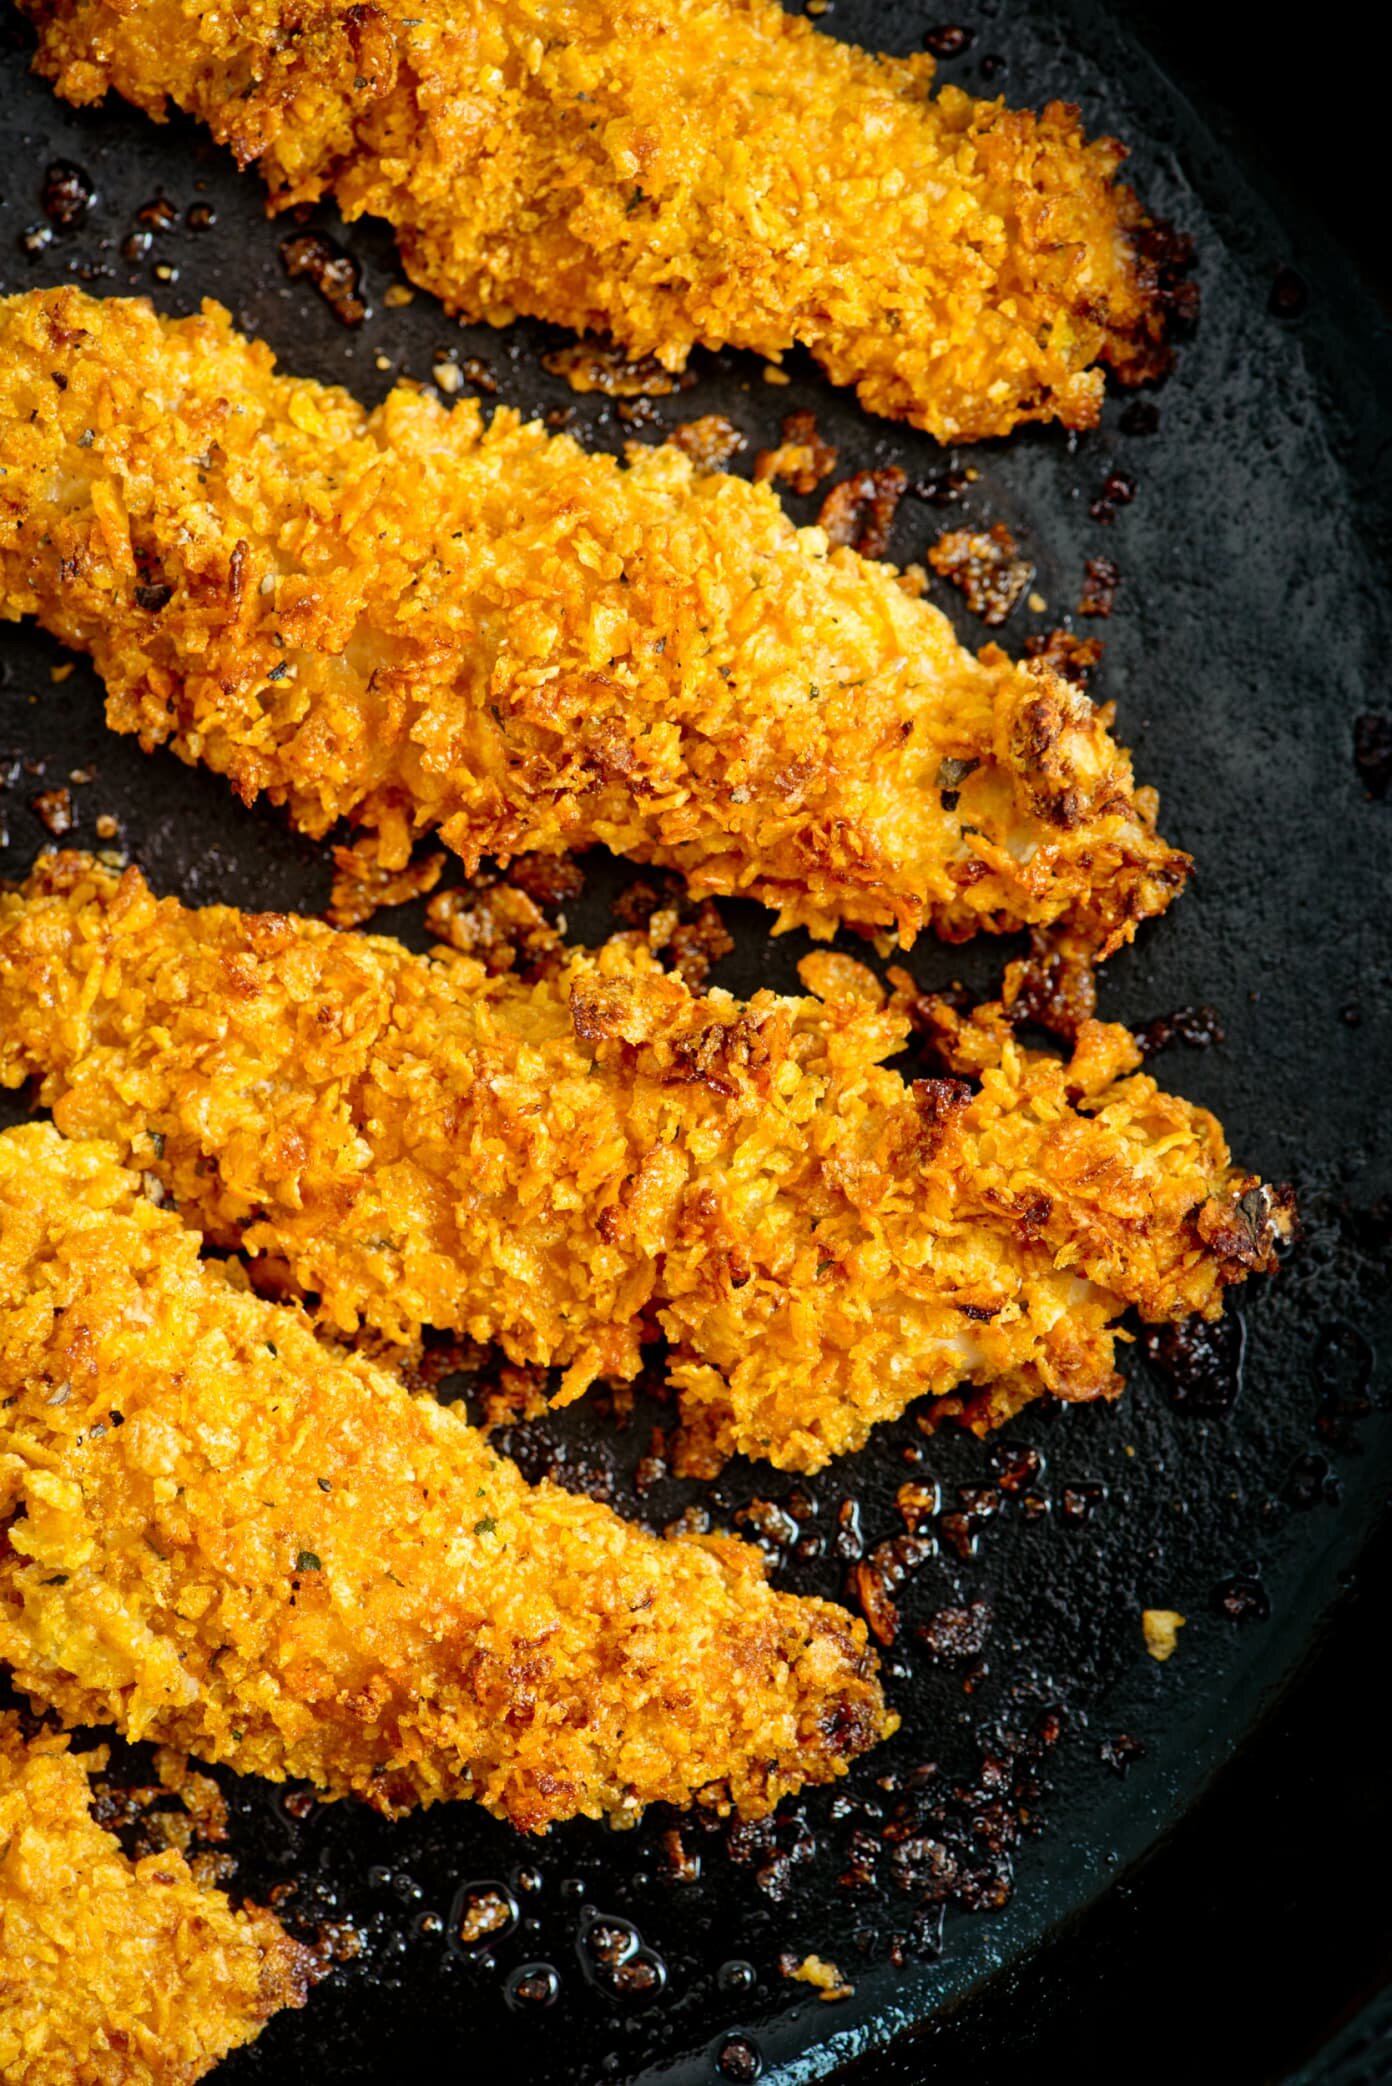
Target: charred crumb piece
{"x": 1372, "y": 754}
{"x": 1118, "y": 490}
{"x": 596, "y": 365}
{"x": 953, "y": 1842}
{"x": 849, "y": 1541}
{"x": 802, "y": 459}
{"x": 949, "y": 40}
{"x": 362, "y": 886}
{"x": 688, "y": 935}
{"x": 1197, "y": 1027}
{"x": 1199, "y": 1363}
{"x": 1016, "y": 1465}
{"x": 771, "y": 1527}
{"x": 1164, "y": 259}
{"x": 878, "y": 1577}
{"x": 1242, "y": 1598}
{"x": 1080, "y": 1502}
{"x": 986, "y": 567}
{"x": 441, "y": 1356}
{"x": 54, "y": 810}
{"x": 67, "y": 195}
{"x": 680, "y": 1863}
{"x": 1118, "y": 1752}
{"x": 860, "y": 511}
{"x": 158, "y": 215}
{"x": 1073, "y": 657}
{"x": 956, "y": 1633}
{"x": 495, "y": 921}
{"x": 1055, "y": 986}
{"x": 918, "y": 1504}
{"x": 552, "y": 880}
{"x": 691, "y": 1521}
{"x": 335, "y": 274}
{"x": 651, "y": 1469}
{"x": 1101, "y": 579}
{"x": 710, "y": 440}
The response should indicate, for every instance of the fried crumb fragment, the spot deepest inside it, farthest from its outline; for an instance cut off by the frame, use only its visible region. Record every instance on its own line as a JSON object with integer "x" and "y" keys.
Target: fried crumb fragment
{"x": 118, "y": 1972}
{"x": 802, "y": 458}
{"x": 564, "y": 1163}
{"x": 1073, "y": 657}
{"x": 312, "y": 1574}
{"x": 985, "y": 564}
{"x": 860, "y": 511}
{"x": 823, "y": 1976}
{"x": 596, "y": 365}
{"x": 54, "y": 810}
{"x": 363, "y": 884}
{"x": 710, "y": 441}
{"x": 1160, "y": 1628}
{"x": 1101, "y": 579}
{"x": 1055, "y": 985}
{"x": 492, "y": 919}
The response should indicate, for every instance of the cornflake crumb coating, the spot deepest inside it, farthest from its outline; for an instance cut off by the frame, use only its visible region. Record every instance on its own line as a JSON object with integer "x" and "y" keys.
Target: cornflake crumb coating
{"x": 233, "y": 1539}
{"x": 707, "y": 170}
{"x": 570, "y": 1163}
{"x": 117, "y": 1972}
{"x": 411, "y": 621}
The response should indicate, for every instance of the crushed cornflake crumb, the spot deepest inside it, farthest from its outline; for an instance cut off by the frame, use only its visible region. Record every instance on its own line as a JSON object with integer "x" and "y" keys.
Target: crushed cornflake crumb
{"x": 709, "y": 441}
{"x": 58, "y": 674}
{"x": 802, "y": 458}
{"x": 361, "y": 885}
{"x": 398, "y": 294}
{"x": 1161, "y": 1627}
{"x": 860, "y": 510}
{"x": 592, "y": 365}
{"x": 986, "y": 565}
{"x": 823, "y": 1976}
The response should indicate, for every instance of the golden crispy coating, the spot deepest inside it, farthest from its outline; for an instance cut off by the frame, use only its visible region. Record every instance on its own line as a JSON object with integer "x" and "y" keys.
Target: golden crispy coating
{"x": 113, "y": 1972}
{"x": 403, "y": 619}
{"x": 706, "y": 170}
{"x": 227, "y": 1536}
{"x": 567, "y": 1165}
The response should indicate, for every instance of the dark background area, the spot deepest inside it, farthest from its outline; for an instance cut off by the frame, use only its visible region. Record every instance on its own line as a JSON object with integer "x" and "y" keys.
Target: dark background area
{"x": 1248, "y": 635}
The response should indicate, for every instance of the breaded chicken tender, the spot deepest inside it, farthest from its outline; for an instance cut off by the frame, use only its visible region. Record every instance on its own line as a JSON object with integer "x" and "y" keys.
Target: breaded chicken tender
{"x": 262, "y": 1550}
{"x": 570, "y": 1165}
{"x": 413, "y": 622}
{"x": 117, "y": 1972}
{"x": 704, "y": 170}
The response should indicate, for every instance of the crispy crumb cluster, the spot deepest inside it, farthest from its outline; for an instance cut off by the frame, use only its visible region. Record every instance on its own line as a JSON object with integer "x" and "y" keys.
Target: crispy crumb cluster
{"x": 229, "y": 1537}
{"x": 414, "y": 622}
{"x": 570, "y": 1162}
{"x": 113, "y": 1972}
{"x": 668, "y": 175}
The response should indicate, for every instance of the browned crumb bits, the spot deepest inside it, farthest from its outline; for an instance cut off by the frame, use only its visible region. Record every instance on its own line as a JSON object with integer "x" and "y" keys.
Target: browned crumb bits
{"x": 54, "y": 809}
{"x": 361, "y": 885}
{"x": 802, "y": 458}
{"x": 860, "y": 510}
{"x": 334, "y": 273}
{"x": 987, "y": 567}
{"x": 1073, "y": 657}
{"x": 1101, "y": 578}
{"x": 709, "y": 441}
{"x": 500, "y": 924}
{"x": 595, "y": 365}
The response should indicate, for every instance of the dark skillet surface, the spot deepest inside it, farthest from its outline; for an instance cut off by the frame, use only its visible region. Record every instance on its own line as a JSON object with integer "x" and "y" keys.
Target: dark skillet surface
{"x": 1249, "y": 634}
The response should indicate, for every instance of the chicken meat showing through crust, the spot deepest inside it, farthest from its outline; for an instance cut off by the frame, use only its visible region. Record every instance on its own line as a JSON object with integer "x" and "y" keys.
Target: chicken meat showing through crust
{"x": 263, "y": 1550}
{"x": 116, "y": 1972}
{"x": 570, "y": 1165}
{"x": 414, "y": 622}
{"x": 707, "y": 170}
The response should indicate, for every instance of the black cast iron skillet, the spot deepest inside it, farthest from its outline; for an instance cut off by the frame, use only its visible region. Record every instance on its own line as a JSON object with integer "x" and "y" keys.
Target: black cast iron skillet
{"x": 1140, "y": 1867}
